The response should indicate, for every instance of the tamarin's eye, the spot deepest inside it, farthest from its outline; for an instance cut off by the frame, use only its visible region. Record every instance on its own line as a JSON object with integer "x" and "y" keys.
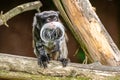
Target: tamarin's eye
{"x": 48, "y": 19}
{"x": 55, "y": 19}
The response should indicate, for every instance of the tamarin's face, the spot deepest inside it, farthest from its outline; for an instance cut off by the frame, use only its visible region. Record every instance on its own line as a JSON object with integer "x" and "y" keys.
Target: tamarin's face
{"x": 47, "y": 17}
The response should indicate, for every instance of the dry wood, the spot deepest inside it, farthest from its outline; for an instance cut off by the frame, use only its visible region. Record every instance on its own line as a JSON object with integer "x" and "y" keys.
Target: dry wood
{"x": 89, "y": 31}
{"x": 20, "y": 64}
{"x": 18, "y": 10}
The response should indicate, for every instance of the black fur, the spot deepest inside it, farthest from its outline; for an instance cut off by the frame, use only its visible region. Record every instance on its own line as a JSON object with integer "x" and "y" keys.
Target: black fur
{"x": 42, "y": 49}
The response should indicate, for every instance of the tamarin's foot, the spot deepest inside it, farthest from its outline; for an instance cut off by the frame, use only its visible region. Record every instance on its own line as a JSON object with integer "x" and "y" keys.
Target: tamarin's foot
{"x": 43, "y": 60}
{"x": 64, "y": 62}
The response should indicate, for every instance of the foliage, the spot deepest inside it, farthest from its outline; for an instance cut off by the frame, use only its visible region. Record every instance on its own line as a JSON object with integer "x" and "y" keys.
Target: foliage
{"x": 80, "y": 55}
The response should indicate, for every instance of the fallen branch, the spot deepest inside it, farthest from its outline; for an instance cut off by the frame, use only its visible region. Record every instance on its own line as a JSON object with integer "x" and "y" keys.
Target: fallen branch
{"x": 29, "y": 65}
{"x": 18, "y": 10}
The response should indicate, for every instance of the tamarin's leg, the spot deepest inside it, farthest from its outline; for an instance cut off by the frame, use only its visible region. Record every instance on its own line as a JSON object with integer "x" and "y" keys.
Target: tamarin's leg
{"x": 56, "y": 55}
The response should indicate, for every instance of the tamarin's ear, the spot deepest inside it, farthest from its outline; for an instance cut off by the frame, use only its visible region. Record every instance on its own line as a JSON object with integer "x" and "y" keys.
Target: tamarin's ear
{"x": 38, "y": 16}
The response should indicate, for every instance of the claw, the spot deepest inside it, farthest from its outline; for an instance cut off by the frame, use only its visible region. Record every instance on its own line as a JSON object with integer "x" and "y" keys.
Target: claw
{"x": 43, "y": 60}
{"x": 64, "y": 62}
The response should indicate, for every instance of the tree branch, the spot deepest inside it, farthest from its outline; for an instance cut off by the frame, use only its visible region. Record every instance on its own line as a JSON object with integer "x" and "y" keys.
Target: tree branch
{"x": 29, "y": 65}
{"x": 89, "y": 31}
{"x": 18, "y": 10}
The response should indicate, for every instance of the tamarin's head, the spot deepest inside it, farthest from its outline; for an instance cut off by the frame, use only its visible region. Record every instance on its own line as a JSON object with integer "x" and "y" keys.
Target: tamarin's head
{"x": 47, "y": 16}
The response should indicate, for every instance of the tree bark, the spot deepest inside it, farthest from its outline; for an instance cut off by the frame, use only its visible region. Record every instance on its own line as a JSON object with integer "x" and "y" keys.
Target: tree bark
{"x": 19, "y": 65}
{"x": 18, "y": 10}
{"x": 89, "y": 31}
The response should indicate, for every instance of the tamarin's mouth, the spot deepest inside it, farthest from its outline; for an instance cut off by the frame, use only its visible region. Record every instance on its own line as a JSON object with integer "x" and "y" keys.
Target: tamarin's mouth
{"x": 53, "y": 31}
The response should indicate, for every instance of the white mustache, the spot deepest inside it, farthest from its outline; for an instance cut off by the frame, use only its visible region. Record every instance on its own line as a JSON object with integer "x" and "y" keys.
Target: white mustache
{"x": 53, "y": 31}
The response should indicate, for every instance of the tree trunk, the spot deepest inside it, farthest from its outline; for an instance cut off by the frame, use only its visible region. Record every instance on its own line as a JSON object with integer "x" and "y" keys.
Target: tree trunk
{"x": 89, "y": 31}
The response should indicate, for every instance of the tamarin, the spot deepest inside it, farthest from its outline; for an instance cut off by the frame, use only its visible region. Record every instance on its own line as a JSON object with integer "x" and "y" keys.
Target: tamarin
{"x": 49, "y": 38}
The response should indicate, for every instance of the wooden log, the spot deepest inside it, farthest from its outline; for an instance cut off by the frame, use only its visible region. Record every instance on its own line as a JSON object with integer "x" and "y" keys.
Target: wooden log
{"x": 89, "y": 31}
{"x": 16, "y": 67}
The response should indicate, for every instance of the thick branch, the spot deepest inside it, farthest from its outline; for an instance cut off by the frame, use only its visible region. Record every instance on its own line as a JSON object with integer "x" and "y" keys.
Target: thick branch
{"x": 29, "y": 65}
{"x": 89, "y": 31}
{"x": 18, "y": 10}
